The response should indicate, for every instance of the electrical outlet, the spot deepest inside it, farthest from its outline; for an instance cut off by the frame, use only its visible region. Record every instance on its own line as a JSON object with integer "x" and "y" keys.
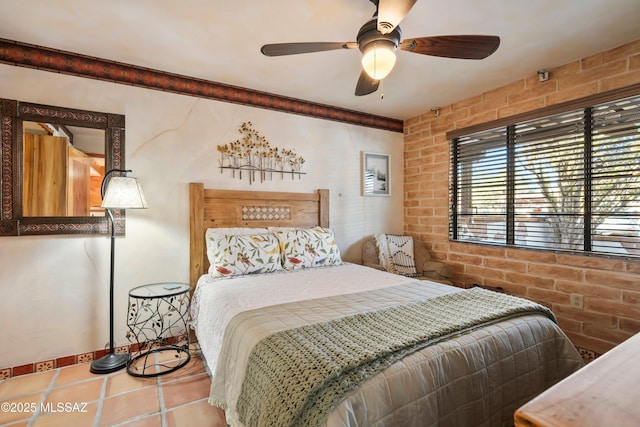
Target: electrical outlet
{"x": 577, "y": 301}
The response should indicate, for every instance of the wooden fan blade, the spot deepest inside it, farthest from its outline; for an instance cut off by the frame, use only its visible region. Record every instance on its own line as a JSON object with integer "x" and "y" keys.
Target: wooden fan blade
{"x": 463, "y": 47}
{"x": 391, "y": 12}
{"x": 366, "y": 84}
{"x": 279, "y": 49}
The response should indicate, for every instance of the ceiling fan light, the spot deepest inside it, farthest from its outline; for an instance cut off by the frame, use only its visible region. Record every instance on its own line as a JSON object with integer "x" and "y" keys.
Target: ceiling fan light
{"x": 378, "y": 59}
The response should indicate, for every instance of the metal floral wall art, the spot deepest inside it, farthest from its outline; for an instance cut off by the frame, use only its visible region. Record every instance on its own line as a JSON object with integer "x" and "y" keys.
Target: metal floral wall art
{"x": 253, "y": 154}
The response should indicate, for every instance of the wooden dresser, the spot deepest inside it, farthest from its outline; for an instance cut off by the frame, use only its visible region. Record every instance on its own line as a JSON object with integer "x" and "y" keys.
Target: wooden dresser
{"x": 606, "y": 392}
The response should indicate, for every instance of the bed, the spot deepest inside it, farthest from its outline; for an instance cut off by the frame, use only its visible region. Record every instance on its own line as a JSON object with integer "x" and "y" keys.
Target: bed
{"x": 286, "y": 346}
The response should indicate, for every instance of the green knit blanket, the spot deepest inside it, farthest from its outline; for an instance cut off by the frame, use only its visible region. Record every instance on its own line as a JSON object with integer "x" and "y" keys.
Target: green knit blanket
{"x": 296, "y": 377}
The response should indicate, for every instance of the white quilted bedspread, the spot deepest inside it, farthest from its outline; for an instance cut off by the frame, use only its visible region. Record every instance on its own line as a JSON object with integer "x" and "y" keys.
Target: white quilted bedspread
{"x": 476, "y": 379}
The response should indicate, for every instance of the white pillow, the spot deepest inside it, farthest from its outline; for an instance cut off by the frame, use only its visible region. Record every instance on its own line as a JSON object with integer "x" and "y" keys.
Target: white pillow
{"x": 396, "y": 254}
{"x": 234, "y": 255}
{"x": 231, "y": 231}
{"x": 307, "y": 248}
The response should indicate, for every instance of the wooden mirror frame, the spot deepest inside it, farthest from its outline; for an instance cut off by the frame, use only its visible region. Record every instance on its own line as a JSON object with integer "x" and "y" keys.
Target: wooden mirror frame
{"x": 12, "y": 114}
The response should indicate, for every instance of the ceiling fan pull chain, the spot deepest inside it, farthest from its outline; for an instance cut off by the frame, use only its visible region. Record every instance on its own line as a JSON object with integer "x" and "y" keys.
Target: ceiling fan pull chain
{"x": 382, "y": 89}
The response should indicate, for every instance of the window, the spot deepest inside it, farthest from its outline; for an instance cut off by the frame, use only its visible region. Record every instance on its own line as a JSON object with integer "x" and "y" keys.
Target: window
{"x": 568, "y": 181}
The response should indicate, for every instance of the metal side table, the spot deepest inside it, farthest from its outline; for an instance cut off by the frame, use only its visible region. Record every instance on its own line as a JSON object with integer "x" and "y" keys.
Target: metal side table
{"x": 158, "y": 318}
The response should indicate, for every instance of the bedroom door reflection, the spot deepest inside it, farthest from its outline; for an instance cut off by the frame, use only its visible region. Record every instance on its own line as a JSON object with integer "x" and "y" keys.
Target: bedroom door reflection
{"x": 62, "y": 170}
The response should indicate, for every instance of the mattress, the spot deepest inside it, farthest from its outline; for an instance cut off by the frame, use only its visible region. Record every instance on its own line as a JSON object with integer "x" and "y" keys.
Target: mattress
{"x": 478, "y": 378}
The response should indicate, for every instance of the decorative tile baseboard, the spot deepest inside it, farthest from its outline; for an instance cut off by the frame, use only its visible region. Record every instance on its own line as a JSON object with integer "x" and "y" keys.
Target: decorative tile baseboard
{"x": 45, "y": 365}
{"x": 588, "y": 355}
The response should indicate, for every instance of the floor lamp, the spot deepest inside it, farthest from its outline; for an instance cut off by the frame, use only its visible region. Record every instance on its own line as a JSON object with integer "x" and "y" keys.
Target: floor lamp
{"x": 118, "y": 192}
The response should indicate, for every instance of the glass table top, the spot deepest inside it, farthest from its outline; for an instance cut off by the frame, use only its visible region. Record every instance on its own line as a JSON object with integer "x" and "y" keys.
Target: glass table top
{"x": 159, "y": 290}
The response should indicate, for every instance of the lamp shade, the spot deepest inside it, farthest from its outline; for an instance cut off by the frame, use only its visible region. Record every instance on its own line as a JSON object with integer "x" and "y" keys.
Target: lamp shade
{"x": 379, "y": 58}
{"x": 124, "y": 192}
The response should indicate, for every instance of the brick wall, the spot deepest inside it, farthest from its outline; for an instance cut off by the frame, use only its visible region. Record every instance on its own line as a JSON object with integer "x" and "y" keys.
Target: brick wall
{"x": 609, "y": 288}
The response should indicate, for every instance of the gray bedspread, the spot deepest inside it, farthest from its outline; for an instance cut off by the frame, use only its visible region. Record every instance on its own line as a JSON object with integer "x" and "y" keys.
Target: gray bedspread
{"x": 295, "y": 377}
{"x": 478, "y": 378}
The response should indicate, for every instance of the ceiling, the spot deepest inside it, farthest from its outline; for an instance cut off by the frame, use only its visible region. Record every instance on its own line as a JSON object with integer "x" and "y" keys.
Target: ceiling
{"x": 220, "y": 40}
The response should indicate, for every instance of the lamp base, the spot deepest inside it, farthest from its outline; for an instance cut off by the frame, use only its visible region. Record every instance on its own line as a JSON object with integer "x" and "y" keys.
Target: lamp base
{"x": 110, "y": 362}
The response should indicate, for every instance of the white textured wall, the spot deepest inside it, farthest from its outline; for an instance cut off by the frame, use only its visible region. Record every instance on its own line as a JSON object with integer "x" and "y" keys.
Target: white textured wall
{"x": 55, "y": 289}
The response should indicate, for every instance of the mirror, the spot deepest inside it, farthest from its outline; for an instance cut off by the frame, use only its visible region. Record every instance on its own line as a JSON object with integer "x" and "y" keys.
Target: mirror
{"x": 52, "y": 163}
{"x": 62, "y": 169}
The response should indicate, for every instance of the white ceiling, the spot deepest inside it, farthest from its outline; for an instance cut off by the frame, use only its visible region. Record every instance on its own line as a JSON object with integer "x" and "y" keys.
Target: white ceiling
{"x": 220, "y": 40}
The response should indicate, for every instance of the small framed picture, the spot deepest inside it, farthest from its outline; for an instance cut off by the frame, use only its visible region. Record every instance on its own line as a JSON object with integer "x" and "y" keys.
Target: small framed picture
{"x": 376, "y": 174}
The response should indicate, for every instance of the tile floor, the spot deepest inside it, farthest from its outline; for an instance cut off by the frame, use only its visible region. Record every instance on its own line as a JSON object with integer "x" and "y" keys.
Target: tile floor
{"x": 72, "y": 396}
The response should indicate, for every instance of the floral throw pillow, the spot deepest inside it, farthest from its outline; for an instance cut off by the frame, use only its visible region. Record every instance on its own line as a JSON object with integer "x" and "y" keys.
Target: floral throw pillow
{"x": 307, "y": 248}
{"x": 234, "y": 255}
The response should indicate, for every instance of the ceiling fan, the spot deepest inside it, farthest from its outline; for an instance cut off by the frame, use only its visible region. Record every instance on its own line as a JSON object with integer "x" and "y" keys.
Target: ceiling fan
{"x": 379, "y": 38}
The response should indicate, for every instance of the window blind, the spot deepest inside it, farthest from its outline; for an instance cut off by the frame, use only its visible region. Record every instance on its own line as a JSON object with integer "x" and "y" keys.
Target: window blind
{"x": 481, "y": 185}
{"x": 615, "y": 211}
{"x": 549, "y": 182}
{"x": 568, "y": 181}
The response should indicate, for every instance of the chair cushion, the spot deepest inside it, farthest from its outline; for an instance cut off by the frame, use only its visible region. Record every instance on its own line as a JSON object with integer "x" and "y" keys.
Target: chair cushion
{"x": 396, "y": 254}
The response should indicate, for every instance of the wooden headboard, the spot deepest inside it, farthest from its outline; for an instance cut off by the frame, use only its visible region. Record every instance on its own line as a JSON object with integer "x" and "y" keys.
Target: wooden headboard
{"x": 230, "y": 208}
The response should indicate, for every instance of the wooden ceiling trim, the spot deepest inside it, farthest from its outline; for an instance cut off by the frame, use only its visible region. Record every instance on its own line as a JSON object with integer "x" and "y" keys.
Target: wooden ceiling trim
{"x": 58, "y": 61}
